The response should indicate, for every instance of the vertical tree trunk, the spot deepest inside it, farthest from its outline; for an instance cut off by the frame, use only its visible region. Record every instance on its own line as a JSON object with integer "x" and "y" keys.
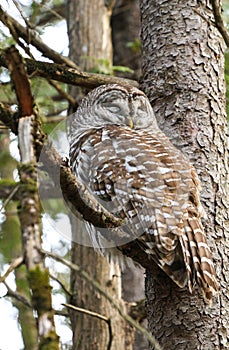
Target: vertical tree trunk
{"x": 125, "y": 24}
{"x": 90, "y": 46}
{"x": 11, "y": 238}
{"x": 29, "y": 204}
{"x": 183, "y": 75}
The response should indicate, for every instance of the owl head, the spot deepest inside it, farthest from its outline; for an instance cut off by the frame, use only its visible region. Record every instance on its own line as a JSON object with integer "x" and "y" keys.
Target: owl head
{"x": 114, "y": 104}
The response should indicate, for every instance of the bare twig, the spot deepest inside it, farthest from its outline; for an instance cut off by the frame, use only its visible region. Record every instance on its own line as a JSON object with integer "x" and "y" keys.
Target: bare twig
{"x": 57, "y": 12}
{"x": 62, "y": 93}
{"x": 67, "y": 292}
{"x": 11, "y": 293}
{"x": 61, "y": 313}
{"x": 216, "y": 8}
{"x": 103, "y": 292}
{"x": 16, "y": 263}
{"x": 87, "y": 312}
{"x": 8, "y": 188}
{"x": 10, "y": 196}
{"x": 8, "y": 118}
{"x": 18, "y": 6}
{"x": 18, "y": 30}
{"x": 94, "y": 314}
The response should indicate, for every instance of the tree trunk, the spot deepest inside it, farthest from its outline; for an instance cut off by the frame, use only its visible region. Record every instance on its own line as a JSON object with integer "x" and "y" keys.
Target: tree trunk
{"x": 125, "y": 24}
{"x": 11, "y": 238}
{"x": 29, "y": 204}
{"x": 91, "y": 48}
{"x": 183, "y": 75}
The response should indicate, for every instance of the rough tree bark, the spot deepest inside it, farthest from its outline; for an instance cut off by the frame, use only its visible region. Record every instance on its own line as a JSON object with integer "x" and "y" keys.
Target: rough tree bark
{"x": 90, "y": 41}
{"x": 183, "y": 75}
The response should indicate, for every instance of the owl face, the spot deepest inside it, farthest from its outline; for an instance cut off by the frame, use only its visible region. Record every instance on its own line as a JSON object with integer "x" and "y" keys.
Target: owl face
{"x": 117, "y": 105}
{"x": 124, "y": 108}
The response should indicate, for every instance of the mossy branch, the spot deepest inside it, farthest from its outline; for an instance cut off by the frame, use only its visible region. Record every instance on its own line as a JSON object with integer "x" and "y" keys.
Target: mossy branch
{"x": 68, "y": 75}
{"x": 29, "y": 204}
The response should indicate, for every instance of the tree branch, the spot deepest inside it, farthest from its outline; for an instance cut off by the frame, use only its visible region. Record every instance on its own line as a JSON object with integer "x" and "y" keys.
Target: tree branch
{"x": 16, "y": 263}
{"x": 31, "y": 37}
{"x": 20, "y": 81}
{"x": 10, "y": 196}
{"x": 11, "y": 293}
{"x": 66, "y": 291}
{"x": 62, "y": 93}
{"x": 216, "y": 8}
{"x": 103, "y": 292}
{"x": 57, "y": 12}
{"x": 95, "y": 314}
{"x": 82, "y": 201}
{"x": 68, "y": 75}
{"x": 8, "y": 118}
{"x": 73, "y": 76}
{"x": 73, "y": 190}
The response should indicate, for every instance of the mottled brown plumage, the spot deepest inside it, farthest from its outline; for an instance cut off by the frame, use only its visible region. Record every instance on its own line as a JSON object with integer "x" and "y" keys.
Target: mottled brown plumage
{"x": 120, "y": 154}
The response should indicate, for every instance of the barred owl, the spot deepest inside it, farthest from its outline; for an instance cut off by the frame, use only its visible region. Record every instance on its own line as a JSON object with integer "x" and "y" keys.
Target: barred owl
{"x": 118, "y": 151}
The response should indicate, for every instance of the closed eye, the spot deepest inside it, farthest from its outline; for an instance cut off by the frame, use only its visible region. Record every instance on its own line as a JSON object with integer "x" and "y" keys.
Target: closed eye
{"x": 112, "y": 107}
{"x": 142, "y": 112}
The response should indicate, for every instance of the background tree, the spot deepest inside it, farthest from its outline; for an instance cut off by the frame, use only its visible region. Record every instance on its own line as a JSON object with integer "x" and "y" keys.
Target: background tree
{"x": 11, "y": 249}
{"x": 93, "y": 52}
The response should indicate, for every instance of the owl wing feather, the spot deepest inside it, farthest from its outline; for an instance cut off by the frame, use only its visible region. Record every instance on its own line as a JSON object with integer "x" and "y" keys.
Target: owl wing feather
{"x": 144, "y": 182}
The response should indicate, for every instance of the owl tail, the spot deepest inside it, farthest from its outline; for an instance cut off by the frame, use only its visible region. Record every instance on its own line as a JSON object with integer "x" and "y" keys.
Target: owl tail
{"x": 198, "y": 258}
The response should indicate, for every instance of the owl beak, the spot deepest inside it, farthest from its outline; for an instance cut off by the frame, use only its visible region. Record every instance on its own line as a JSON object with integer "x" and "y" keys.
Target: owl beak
{"x": 131, "y": 124}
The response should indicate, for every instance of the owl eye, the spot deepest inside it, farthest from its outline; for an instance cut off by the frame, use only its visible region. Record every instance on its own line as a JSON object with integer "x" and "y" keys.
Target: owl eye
{"x": 112, "y": 107}
{"x": 142, "y": 112}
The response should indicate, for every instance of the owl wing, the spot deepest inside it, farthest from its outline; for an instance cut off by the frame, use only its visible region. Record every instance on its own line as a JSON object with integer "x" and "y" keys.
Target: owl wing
{"x": 141, "y": 178}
